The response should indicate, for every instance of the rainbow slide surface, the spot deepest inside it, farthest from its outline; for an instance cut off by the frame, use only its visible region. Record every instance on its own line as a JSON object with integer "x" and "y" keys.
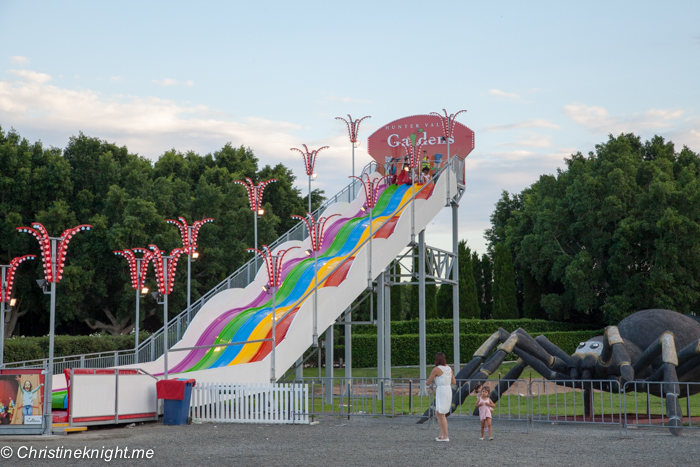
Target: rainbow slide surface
{"x": 344, "y": 262}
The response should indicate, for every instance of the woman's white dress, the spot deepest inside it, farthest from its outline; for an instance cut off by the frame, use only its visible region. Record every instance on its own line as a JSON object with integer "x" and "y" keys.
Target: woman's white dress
{"x": 443, "y": 392}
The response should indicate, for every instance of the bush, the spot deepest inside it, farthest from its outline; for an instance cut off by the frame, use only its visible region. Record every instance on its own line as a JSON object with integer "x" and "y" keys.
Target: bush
{"x": 474, "y": 326}
{"x": 18, "y": 349}
{"x": 404, "y": 348}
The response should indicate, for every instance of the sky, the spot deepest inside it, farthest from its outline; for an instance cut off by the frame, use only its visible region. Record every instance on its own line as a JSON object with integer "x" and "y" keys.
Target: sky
{"x": 539, "y": 80}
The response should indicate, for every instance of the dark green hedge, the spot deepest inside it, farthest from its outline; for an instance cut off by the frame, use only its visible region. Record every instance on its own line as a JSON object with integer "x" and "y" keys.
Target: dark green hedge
{"x": 404, "y": 348}
{"x": 474, "y": 326}
{"x": 20, "y": 349}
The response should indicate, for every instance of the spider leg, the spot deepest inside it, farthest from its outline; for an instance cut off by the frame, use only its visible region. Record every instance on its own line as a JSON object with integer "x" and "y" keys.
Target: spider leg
{"x": 666, "y": 346}
{"x": 614, "y": 358}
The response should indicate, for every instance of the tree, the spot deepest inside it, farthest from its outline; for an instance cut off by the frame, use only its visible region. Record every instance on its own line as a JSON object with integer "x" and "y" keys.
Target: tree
{"x": 468, "y": 300}
{"x": 486, "y": 272}
{"x": 532, "y": 295}
{"x": 614, "y": 232}
{"x": 505, "y": 305}
{"x": 127, "y": 199}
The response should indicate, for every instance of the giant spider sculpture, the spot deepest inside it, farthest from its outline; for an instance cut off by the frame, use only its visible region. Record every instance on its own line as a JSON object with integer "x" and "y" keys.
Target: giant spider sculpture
{"x": 642, "y": 347}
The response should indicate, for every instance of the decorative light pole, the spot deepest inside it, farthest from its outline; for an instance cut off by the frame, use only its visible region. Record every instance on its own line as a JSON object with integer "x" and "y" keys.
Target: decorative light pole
{"x": 316, "y": 233}
{"x": 189, "y": 234}
{"x": 165, "y": 268}
{"x": 7, "y": 278}
{"x": 448, "y": 127}
{"x": 309, "y": 163}
{"x": 353, "y": 130}
{"x": 53, "y": 254}
{"x": 255, "y": 194}
{"x": 138, "y": 268}
{"x": 274, "y": 276}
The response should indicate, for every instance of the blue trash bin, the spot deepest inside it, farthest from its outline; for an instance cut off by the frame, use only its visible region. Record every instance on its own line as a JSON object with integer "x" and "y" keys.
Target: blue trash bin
{"x": 177, "y": 412}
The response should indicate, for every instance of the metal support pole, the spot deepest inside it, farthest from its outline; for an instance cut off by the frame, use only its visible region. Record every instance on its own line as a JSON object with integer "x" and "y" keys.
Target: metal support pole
{"x": 348, "y": 346}
{"x": 48, "y": 385}
{"x": 273, "y": 376}
{"x": 300, "y": 369}
{"x": 310, "y": 198}
{"x": 315, "y": 334}
{"x": 138, "y": 309}
{"x": 387, "y": 327}
{"x": 413, "y": 206}
{"x": 353, "y": 168}
{"x": 380, "y": 325}
{"x": 448, "y": 173}
{"x": 189, "y": 274}
{"x": 421, "y": 310}
{"x": 165, "y": 319}
{"x": 329, "y": 364}
{"x": 255, "y": 221}
{"x": 455, "y": 288}
{"x": 3, "y": 288}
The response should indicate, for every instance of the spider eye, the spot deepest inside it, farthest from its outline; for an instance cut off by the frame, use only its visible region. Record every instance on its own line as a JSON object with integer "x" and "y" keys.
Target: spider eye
{"x": 595, "y": 346}
{"x": 582, "y": 344}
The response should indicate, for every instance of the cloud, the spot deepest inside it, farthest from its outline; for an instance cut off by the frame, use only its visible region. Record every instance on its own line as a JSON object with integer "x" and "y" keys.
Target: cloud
{"x": 150, "y": 125}
{"x": 533, "y": 140}
{"x": 509, "y": 95}
{"x": 173, "y": 82}
{"x": 31, "y": 76}
{"x": 116, "y": 78}
{"x": 599, "y": 120}
{"x": 348, "y": 100}
{"x": 19, "y": 60}
{"x": 534, "y": 123}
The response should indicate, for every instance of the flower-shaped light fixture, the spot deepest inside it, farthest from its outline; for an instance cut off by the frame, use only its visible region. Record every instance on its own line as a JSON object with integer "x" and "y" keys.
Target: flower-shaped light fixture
{"x": 6, "y": 290}
{"x": 40, "y": 233}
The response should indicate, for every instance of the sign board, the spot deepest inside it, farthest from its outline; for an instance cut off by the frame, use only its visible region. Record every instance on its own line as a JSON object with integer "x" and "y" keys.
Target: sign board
{"x": 21, "y": 399}
{"x": 386, "y": 141}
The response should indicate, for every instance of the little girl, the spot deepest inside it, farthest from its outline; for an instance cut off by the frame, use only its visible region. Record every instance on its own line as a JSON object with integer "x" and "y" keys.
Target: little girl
{"x": 485, "y": 405}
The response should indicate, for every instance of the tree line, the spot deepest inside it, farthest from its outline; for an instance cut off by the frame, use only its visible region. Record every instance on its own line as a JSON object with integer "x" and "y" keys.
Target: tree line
{"x": 614, "y": 232}
{"x": 127, "y": 198}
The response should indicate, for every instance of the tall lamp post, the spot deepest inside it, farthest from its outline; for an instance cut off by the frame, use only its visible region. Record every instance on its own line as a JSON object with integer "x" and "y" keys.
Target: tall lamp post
{"x": 448, "y": 125}
{"x": 274, "y": 276}
{"x": 7, "y": 278}
{"x": 165, "y": 268}
{"x": 53, "y": 254}
{"x": 189, "y": 234}
{"x": 255, "y": 194}
{"x": 316, "y": 233}
{"x": 309, "y": 163}
{"x": 353, "y": 130}
{"x": 138, "y": 268}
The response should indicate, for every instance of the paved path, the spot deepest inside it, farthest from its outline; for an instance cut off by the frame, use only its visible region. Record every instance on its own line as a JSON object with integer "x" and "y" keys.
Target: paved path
{"x": 371, "y": 441}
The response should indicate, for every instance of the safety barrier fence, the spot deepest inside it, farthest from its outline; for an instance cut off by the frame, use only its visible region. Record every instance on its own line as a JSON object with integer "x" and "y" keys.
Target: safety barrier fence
{"x": 593, "y": 402}
{"x": 250, "y": 403}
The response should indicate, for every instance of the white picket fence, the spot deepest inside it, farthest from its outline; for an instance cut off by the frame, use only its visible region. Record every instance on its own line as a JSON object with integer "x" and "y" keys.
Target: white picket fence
{"x": 250, "y": 403}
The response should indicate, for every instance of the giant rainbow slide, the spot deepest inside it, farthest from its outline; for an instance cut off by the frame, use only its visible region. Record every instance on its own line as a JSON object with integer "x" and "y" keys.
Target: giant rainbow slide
{"x": 237, "y": 315}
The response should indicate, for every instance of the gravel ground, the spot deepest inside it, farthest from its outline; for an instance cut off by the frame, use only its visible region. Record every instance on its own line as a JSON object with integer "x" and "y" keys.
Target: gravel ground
{"x": 370, "y": 441}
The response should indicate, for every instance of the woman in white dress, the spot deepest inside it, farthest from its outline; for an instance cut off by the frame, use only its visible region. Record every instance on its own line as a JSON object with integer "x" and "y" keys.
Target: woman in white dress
{"x": 443, "y": 377}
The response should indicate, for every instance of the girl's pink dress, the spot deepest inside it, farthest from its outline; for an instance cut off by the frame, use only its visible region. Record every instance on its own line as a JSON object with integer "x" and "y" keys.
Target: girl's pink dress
{"x": 484, "y": 410}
